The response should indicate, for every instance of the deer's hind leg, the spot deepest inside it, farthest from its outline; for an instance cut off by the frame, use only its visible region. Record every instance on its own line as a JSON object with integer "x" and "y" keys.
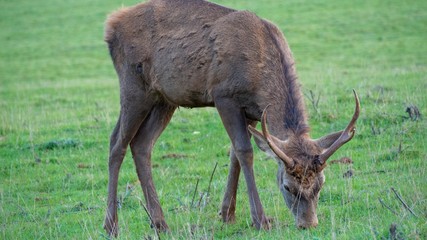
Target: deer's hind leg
{"x": 134, "y": 109}
{"x": 141, "y": 146}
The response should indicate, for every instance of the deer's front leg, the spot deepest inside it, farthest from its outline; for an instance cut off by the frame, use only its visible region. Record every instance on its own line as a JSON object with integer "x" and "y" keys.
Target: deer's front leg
{"x": 234, "y": 120}
{"x": 229, "y": 202}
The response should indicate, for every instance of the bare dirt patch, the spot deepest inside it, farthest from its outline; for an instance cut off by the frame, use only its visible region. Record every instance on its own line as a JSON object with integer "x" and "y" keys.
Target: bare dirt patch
{"x": 343, "y": 160}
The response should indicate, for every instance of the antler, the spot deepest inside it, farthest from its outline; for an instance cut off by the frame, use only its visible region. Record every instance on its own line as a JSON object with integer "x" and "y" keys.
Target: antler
{"x": 345, "y": 136}
{"x": 271, "y": 141}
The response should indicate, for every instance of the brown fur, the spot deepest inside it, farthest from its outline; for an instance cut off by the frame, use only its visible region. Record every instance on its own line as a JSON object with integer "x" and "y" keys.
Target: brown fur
{"x": 192, "y": 53}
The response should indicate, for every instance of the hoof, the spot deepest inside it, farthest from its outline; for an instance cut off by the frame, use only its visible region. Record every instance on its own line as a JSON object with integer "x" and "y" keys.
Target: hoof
{"x": 161, "y": 226}
{"x": 265, "y": 224}
{"x": 111, "y": 227}
{"x": 227, "y": 216}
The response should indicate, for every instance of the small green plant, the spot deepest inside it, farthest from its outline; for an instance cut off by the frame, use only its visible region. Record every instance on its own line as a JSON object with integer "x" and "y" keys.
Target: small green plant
{"x": 59, "y": 144}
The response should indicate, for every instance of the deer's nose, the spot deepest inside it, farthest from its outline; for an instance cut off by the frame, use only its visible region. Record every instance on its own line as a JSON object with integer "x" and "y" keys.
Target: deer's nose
{"x": 308, "y": 224}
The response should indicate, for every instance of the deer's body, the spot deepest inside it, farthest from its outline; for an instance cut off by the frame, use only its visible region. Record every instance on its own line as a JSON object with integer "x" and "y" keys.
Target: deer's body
{"x": 194, "y": 53}
{"x": 192, "y": 50}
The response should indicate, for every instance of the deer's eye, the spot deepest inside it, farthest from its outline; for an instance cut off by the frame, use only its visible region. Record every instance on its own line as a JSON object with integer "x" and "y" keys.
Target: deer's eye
{"x": 139, "y": 68}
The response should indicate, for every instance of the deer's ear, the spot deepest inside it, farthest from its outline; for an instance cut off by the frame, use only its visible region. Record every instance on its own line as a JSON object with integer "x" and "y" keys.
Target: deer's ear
{"x": 260, "y": 140}
{"x": 326, "y": 141}
{"x": 262, "y": 144}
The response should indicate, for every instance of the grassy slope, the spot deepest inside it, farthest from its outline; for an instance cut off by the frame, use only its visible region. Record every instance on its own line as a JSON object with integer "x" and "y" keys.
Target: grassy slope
{"x": 57, "y": 84}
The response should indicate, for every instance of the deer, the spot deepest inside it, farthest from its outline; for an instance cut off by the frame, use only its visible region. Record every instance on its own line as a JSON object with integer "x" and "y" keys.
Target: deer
{"x": 193, "y": 53}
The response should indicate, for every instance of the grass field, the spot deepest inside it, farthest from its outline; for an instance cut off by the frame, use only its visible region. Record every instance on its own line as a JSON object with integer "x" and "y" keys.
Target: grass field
{"x": 59, "y": 102}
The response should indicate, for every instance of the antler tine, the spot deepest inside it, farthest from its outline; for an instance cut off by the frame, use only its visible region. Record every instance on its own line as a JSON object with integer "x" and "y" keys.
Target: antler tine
{"x": 286, "y": 160}
{"x": 346, "y": 135}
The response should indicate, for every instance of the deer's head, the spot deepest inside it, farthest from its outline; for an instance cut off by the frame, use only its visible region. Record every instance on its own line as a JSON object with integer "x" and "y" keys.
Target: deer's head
{"x": 301, "y": 163}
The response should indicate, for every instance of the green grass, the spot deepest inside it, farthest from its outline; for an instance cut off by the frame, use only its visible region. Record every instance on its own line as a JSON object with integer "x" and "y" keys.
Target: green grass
{"x": 59, "y": 102}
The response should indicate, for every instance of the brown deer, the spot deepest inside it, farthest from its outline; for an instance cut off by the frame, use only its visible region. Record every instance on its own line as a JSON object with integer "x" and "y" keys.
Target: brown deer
{"x": 192, "y": 53}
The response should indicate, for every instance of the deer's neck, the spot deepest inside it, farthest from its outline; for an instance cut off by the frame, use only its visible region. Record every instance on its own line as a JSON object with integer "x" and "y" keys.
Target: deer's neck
{"x": 288, "y": 115}
{"x": 288, "y": 111}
